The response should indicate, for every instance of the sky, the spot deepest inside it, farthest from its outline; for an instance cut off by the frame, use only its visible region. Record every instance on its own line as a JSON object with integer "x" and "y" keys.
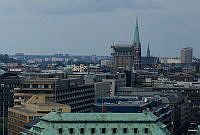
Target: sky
{"x": 86, "y": 27}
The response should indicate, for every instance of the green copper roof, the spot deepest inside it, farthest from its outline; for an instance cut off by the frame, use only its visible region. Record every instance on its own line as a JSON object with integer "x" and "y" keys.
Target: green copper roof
{"x": 52, "y": 122}
{"x": 53, "y": 116}
{"x": 136, "y": 34}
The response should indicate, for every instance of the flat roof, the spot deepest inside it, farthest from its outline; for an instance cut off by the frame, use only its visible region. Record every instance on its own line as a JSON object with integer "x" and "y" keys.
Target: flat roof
{"x": 122, "y": 103}
{"x": 19, "y": 109}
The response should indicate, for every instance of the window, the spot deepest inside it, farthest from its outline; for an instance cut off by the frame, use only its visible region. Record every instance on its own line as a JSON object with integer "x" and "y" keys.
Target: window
{"x": 60, "y": 131}
{"x": 71, "y": 130}
{"x": 35, "y": 86}
{"x": 146, "y": 130}
{"x": 31, "y": 117}
{"x": 82, "y": 130}
{"x": 125, "y": 130}
{"x": 92, "y": 130}
{"x": 114, "y": 130}
{"x": 45, "y": 85}
{"x": 103, "y": 130}
{"x": 135, "y": 130}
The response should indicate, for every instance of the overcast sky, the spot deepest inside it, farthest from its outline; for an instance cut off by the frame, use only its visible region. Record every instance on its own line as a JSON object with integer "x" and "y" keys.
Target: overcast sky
{"x": 85, "y": 27}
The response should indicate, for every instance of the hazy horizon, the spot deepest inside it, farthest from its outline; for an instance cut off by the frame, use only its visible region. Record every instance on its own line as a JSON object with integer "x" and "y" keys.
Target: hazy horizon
{"x": 89, "y": 27}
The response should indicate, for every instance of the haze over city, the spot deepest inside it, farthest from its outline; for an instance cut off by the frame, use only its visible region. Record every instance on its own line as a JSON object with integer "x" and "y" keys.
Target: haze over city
{"x": 91, "y": 67}
{"x": 89, "y": 27}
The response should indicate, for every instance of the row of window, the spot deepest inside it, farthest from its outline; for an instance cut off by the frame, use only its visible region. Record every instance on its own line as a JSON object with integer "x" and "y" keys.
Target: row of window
{"x": 48, "y": 86}
{"x": 104, "y": 130}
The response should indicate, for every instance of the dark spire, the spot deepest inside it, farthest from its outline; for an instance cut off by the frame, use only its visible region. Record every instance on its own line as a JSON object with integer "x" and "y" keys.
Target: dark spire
{"x": 137, "y": 35}
{"x": 148, "y": 52}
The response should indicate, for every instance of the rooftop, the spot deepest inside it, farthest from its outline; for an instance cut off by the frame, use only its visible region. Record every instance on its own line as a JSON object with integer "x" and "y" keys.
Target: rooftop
{"x": 138, "y": 117}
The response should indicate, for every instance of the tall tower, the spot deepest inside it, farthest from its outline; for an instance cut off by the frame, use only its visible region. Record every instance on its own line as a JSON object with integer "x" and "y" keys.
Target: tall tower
{"x": 137, "y": 47}
{"x": 148, "y": 52}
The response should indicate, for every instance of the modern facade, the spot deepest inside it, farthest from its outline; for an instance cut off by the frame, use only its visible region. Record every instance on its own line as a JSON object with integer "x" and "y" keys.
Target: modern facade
{"x": 101, "y": 89}
{"x": 186, "y": 55}
{"x": 34, "y": 108}
{"x": 8, "y": 81}
{"x": 98, "y": 123}
{"x": 35, "y": 86}
{"x": 76, "y": 94}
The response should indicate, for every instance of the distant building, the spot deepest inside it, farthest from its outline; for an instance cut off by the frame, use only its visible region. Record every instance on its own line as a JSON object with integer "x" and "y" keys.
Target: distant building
{"x": 170, "y": 60}
{"x": 101, "y": 89}
{"x": 106, "y": 63}
{"x": 34, "y": 108}
{"x": 98, "y": 123}
{"x": 149, "y": 61}
{"x": 130, "y": 78}
{"x": 186, "y": 55}
{"x": 125, "y": 56}
{"x": 116, "y": 81}
{"x": 181, "y": 77}
{"x": 19, "y": 56}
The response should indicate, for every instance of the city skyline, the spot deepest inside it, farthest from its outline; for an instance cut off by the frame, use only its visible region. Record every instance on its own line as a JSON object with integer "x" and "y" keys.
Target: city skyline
{"x": 39, "y": 27}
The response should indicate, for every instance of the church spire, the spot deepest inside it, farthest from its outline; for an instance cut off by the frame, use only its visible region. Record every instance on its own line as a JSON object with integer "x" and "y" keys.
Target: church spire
{"x": 137, "y": 35}
{"x": 148, "y": 52}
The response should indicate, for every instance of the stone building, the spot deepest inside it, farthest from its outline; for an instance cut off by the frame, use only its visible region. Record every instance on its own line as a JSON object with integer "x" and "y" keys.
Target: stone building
{"x": 98, "y": 123}
{"x": 128, "y": 55}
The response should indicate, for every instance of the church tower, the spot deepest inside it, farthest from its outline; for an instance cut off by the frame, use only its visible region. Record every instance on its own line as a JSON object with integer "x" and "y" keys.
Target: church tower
{"x": 148, "y": 52}
{"x": 127, "y": 56}
{"x": 137, "y": 47}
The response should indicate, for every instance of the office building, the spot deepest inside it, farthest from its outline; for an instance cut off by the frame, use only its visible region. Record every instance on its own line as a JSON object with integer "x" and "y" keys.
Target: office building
{"x": 8, "y": 81}
{"x": 76, "y": 94}
{"x": 102, "y": 89}
{"x": 186, "y": 55}
{"x": 34, "y": 108}
{"x": 35, "y": 86}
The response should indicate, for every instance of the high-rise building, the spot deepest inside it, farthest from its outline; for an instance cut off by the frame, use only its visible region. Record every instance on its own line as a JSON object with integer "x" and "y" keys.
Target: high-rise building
{"x": 8, "y": 81}
{"x": 127, "y": 55}
{"x": 186, "y": 55}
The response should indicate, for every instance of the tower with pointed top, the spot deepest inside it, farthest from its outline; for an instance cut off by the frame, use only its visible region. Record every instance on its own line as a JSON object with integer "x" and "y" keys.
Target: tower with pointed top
{"x": 148, "y": 52}
{"x": 137, "y": 47}
{"x": 127, "y": 55}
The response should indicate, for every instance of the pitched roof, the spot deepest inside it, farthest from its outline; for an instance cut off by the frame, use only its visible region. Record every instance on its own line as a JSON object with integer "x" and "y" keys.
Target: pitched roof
{"x": 136, "y": 117}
